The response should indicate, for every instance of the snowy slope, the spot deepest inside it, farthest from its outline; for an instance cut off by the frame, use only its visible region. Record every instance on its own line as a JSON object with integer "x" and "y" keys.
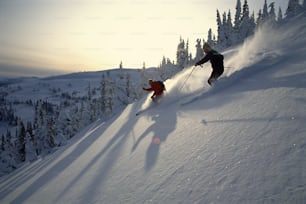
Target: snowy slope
{"x": 243, "y": 141}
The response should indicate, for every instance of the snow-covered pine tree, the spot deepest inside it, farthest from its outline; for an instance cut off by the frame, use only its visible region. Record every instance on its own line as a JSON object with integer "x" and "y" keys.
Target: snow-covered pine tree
{"x": 2, "y": 144}
{"x": 188, "y": 59}
{"x": 50, "y": 139}
{"x": 259, "y": 20}
{"x": 228, "y": 28}
{"x": 199, "y": 50}
{"x": 8, "y": 156}
{"x": 210, "y": 40}
{"x": 128, "y": 89}
{"x": 294, "y": 8}
{"x": 20, "y": 141}
{"x": 121, "y": 70}
{"x": 30, "y": 149}
{"x": 103, "y": 94}
{"x": 90, "y": 104}
{"x": 280, "y": 15}
{"x": 181, "y": 54}
{"x": 272, "y": 15}
{"x": 110, "y": 101}
{"x": 221, "y": 41}
{"x": 265, "y": 13}
{"x": 166, "y": 70}
{"x": 252, "y": 24}
{"x": 304, "y": 7}
{"x": 162, "y": 67}
{"x": 237, "y": 22}
{"x": 2, "y": 149}
{"x": 33, "y": 138}
{"x": 246, "y": 23}
{"x": 41, "y": 115}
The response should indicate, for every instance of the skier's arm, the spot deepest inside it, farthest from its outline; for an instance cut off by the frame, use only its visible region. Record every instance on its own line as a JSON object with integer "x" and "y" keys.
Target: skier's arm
{"x": 203, "y": 60}
{"x": 148, "y": 89}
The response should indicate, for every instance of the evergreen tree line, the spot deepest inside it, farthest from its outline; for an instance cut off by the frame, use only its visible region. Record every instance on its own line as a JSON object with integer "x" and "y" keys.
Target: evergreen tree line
{"x": 54, "y": 124}
{"x": 233, "y": 32}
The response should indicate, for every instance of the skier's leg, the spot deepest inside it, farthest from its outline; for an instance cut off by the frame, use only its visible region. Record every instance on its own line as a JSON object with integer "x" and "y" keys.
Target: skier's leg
{"x": 212, "y": 78}
{"x": 215, "y": 75}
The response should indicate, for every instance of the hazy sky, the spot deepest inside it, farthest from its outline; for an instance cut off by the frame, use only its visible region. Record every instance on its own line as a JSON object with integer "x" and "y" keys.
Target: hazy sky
{"x": 88, "y": 35}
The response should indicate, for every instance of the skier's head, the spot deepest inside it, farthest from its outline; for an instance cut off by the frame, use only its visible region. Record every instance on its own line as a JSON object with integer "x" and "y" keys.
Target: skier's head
{"x": 150, "y": 81}
{"x": 206, "y": 47}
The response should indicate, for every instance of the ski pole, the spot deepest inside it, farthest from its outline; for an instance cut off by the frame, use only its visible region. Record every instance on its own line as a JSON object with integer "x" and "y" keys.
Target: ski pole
{"x": 187, "y": 78}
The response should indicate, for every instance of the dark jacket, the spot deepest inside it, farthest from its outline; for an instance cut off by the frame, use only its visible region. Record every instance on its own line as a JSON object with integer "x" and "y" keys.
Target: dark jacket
{"x": 216, "y": 60}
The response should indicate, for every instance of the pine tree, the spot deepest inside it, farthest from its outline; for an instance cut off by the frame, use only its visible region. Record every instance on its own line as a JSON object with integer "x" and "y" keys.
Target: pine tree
{"x": 237, "y": 22}
{"x": 103, "y": 94}
{"x": 181, "y": 54}
{"x": 41, "y": 115}
{"x": 221, "y": 42}
{"x": 187, "y": 54}
{"x": 237, "y": 16}
{"x": 31, "y": 153}
{"x": 280, "y": 15}
{"x": 272, "y": 15}
{"x": 199, "y": 50}
{"x": 228, "y": 28}
{"x": 245, "y": 28}
{"x": 252, "y": 24}
{"x": 210, "y": 40}
{"x": 128, "y": 88}
{"x": 294, "y": 8}
{"x": 8, "y": 156}
{"x": 265, "y": 14}
{"x": 91, "y": 108}
{"x": 21, "y": 135}
{"x": 259, "y": 20}
{"x": 143, "y": 65}
{"x": 121, "y": 70}
{"x": 50, "y": 134}
{"x": 2, "y": 143}
{"x": 110, "y": 102}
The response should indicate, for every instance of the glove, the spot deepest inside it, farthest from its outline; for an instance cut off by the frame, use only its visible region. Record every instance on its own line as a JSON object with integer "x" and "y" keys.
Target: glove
{"x": 143, "y": 88}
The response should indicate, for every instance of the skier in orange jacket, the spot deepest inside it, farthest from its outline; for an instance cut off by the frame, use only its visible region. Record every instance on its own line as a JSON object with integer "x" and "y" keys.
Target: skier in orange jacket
{"x": 156, "y": 86}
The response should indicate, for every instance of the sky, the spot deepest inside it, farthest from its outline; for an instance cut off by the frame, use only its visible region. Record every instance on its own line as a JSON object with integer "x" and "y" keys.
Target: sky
{"x": 45, "y": 37}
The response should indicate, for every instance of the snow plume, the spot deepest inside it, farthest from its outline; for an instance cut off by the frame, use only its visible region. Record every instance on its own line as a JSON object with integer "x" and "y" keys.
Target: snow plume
{"x": 264, "y": 43}
{"x": 265, "y": 46}
{"x": 189, "y": 81}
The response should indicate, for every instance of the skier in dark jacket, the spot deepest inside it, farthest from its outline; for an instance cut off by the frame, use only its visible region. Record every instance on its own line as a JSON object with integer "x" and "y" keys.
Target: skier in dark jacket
{"x": 216, "y": 60}
{"x": 157, "y": 87}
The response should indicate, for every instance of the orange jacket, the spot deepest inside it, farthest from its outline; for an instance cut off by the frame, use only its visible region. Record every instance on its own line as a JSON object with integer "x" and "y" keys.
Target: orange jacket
{"x": 156, "y": 87}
